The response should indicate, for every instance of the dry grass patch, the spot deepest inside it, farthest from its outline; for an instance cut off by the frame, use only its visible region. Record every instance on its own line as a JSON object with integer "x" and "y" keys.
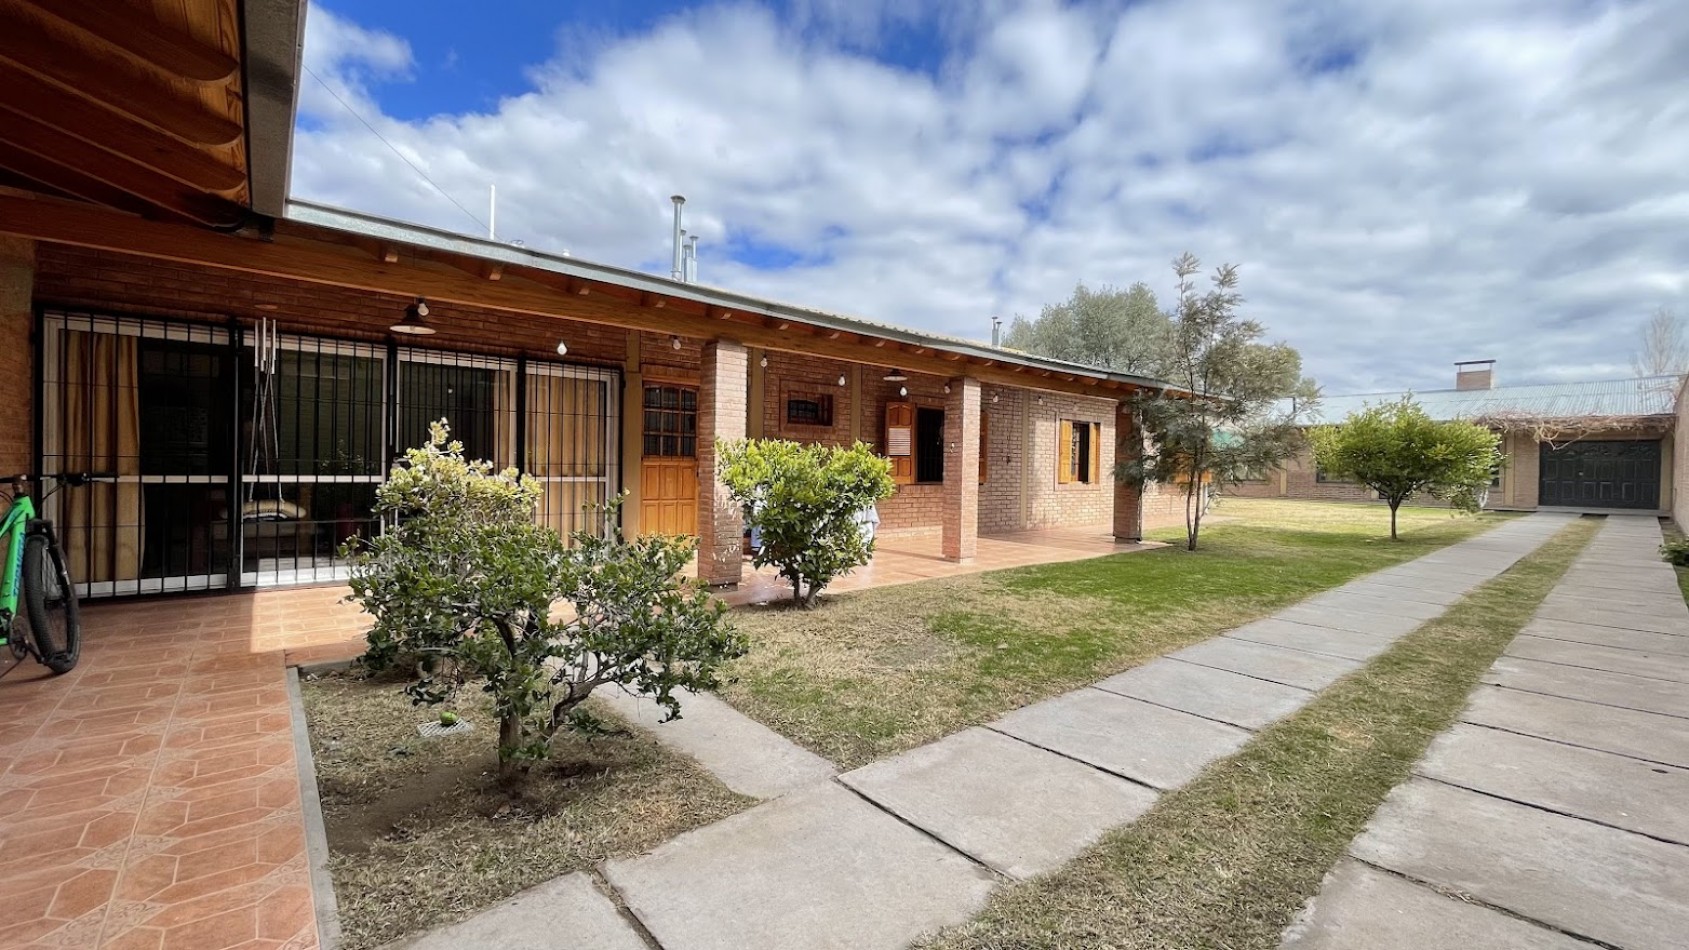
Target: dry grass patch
{"x": 421, "y": 833}
{"x": 874, "y": 673}
{"x": 1225, "y": 862}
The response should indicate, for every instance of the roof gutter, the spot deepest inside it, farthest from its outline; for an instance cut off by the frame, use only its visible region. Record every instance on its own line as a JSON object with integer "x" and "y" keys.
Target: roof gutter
{"x": 273, "y": 41}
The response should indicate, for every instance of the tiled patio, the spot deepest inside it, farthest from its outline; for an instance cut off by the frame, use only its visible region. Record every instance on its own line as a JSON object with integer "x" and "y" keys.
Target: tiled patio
{"x": 151, "y": 796}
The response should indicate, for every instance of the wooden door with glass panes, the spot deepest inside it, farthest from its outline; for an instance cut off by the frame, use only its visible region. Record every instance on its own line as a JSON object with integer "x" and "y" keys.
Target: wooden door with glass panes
{"x": 668, "y": 470}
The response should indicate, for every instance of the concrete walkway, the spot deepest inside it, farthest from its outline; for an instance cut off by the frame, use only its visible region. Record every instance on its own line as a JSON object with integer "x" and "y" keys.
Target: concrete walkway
{"x": 1555, "y": 815}
{"x": 902, "y": 847}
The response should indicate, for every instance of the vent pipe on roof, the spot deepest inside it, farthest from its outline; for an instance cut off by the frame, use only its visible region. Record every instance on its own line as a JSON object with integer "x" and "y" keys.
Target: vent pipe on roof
{"x": 996, "y": 331}
{"x": 692, "y": 259}
{"x": 678, "y": 272}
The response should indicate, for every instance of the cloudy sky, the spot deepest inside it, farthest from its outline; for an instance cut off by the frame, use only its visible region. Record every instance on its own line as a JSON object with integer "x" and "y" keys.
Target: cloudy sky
{"x": 1402, "y": 185}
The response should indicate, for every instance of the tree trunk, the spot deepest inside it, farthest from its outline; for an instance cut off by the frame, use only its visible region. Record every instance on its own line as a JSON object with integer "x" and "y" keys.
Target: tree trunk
{"x": 1393, "y": 506}
{"x": 509, "y": 740}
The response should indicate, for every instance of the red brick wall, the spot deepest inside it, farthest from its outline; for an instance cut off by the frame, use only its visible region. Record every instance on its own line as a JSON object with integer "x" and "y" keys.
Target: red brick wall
{"x": 1050, "y": 504}
{"x": 961, "y": 470}
{"x": 914, "y": 509}
{"x": 789, "y": 374}
{"x": 17, "y": 382}
{"x": 1000, "y": 498}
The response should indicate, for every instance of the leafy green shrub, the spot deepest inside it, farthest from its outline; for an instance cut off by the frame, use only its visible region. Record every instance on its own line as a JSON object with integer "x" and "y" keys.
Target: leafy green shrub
{"x": 1676, "y": 551}
{"x": 804, "y": 502}
{"x": 1398, "y": 450}
{"x": 464, "y": 579}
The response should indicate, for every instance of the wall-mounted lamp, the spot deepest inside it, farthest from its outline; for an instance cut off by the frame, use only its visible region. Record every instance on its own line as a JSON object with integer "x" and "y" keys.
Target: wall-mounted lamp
{"x": 674, "y": 341}
{"x": 562, "y": 348}
{"x": 841, "y": 379}
{"x": 947, "y": 389}
{"x": 903, "y": 390}
{"x": 995, "y": 397}
{"x": 763, "y": 362}
{"x": 415, "y": 322}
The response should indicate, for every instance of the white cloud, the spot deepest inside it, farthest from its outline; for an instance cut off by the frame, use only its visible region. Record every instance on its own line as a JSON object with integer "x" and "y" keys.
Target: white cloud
{"x": 1403, "y": 185}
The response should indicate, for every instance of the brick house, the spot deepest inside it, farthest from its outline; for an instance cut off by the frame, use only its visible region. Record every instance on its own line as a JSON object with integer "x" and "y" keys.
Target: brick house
{"x": 248, "y": 366}
{"x": 1591, "y": 446}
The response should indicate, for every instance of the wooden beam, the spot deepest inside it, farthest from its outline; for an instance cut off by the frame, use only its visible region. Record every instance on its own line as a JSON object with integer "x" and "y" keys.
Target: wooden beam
{"x": 127, "y": 28}
{"x": 656, "y": 301}
{"x": 25, "y": 134}
{"x": 952, "y": 357}
{"x": 881, "y": 342}
{"x": 112, "y": 83}
{"x": 62, "y": 180}
{"x": 116, "y": 133}
{"x": 315, "y": 255}
{"x": 390, "y": 253}
{"x": 493, "y": 271}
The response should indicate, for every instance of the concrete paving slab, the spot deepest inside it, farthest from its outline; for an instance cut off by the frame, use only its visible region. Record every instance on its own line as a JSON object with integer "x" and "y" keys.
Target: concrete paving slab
{"x": 1593, "y": 686}
{"x": 1621, "y": 580}
{"x": 1162, "y": 748}
{"x": 818, "y": 868}
{"x": 1011, "y": 806}
{"x": 744, "y": 754}
{"x": 1613, "y": 616}
{"x": 1630, "y": 601}
{"x": 564, "y": 913}
{"x": 1385, "y": 624}
{"x": 1589, "y": 633}
{"x": 1362, "y": 602}
{"x": 1663, "y": 666}
{"x": 1600, "y": 786}
{"x": 1599, "y": 883}
{"x": 1360, "y": 908}
{"x": 1312, "y": 639}
{"x": 1423, "y": 595}
{"x": 1642, "y": 735}
{"x": 1211, "y": 693}
{"x": 1263, "y": 661}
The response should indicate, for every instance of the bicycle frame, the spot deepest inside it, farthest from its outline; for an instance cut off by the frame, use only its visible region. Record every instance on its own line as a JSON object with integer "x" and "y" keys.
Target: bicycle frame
{"x": 14, "y": 527}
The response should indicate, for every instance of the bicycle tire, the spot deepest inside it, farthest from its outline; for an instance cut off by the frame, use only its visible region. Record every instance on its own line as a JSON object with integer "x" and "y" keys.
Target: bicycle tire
{"x": 50, "y": 599}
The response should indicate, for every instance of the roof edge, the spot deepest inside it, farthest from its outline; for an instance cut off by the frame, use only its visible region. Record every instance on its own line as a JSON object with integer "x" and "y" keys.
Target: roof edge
{"x": 273, "y": 38}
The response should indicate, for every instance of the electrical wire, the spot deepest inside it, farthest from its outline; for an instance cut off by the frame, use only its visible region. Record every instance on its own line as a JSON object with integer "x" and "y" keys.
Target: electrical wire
{"x": 354, "y": 113}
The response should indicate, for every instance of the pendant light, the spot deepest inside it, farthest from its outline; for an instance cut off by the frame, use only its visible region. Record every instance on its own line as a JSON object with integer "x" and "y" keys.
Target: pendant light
{"x": 415, "y": 320}
{"x": 896, "y": 376}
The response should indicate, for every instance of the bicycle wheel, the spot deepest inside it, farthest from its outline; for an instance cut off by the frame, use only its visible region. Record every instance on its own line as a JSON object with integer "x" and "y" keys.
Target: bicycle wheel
{"x": 51, "y": 602}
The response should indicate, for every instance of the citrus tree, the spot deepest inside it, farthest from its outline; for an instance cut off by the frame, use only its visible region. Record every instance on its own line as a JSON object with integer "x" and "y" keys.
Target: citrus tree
{"x": 464, "y": 580}
{"x": 805, "y": 503}
{"x": 1399, "y": 451}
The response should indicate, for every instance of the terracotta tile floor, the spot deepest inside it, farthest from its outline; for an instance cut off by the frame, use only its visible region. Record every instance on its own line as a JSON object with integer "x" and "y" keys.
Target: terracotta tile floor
{"x": 149, "y": 798}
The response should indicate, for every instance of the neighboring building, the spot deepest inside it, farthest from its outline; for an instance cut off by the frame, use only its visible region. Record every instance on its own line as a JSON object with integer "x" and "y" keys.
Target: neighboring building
{"x": 1592, "y": 446}
{"x": 248, "y": 367}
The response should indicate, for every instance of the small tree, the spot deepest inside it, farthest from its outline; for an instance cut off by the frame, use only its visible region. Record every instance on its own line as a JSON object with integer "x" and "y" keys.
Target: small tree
{"x": 1397, "y": 450}
{"x": 466, "y": 580}
{"x": 1243, "y": 408}
{"x": 805, "y": 502}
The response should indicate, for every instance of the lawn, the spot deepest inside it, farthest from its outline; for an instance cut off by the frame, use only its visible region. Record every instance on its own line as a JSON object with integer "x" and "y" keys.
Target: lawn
{"x": 874, "y": 673}
{"x": 421, "y": 833}
{"x": 1225, "y": 862}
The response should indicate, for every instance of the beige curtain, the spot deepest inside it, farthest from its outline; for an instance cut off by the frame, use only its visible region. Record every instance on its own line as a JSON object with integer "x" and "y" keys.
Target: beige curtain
{"x": 566, "y": 439}
{"x": 103, "y": 523}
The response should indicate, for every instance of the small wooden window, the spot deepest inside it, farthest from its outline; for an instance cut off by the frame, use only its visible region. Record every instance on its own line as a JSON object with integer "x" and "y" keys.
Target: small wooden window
{"x": 809, "y": 409}
{"x": 1078, "y": 452}
{"x": 900, "y": 441}
{"x": 671, "y": 422}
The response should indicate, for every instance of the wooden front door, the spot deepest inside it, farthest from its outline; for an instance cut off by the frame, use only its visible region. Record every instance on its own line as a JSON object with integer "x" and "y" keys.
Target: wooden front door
{"x": 668, "y": 470}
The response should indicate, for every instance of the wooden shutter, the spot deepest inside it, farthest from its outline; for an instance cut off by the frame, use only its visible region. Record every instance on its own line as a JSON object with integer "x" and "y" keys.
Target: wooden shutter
{"x": 900, "y": 441}
{"x": 1064, "y": 452}
{"x": 1096, "y": 452}
{"x": 984, "y": 445}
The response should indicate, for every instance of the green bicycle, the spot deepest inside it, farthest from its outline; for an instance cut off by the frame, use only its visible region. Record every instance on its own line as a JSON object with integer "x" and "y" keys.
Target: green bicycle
{"x": 35, "y": 569}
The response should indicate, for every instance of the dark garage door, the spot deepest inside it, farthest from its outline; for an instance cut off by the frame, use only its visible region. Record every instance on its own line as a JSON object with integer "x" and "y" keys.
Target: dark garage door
{"x": 1602, "y": 475}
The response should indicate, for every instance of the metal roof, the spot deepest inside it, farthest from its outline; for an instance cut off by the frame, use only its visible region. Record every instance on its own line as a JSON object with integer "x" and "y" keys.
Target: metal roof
{"x": 339, "y": 219}
{"x": 1646, "y": 396}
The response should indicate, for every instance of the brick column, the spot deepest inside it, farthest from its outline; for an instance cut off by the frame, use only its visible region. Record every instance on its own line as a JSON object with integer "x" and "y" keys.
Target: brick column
{"x": 961, "y": 470}
{"x": 721, "y": 415}
{"x": 1128, "y": 496}
{"x": 17, "y": 354}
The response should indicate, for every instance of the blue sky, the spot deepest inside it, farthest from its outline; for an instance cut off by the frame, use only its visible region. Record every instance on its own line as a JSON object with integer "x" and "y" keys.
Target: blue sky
{"x": 1402, "y": 185}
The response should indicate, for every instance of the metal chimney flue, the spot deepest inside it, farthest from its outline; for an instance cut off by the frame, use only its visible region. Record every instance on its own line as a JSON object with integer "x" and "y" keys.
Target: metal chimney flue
{"x": 679, "y": 269}
{"x": 692, "y": 259}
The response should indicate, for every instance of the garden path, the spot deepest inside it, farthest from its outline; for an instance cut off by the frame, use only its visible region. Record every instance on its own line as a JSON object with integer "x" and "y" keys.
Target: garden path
{"x": 1551, "y": 817}
{"x": 917, "y": 842}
